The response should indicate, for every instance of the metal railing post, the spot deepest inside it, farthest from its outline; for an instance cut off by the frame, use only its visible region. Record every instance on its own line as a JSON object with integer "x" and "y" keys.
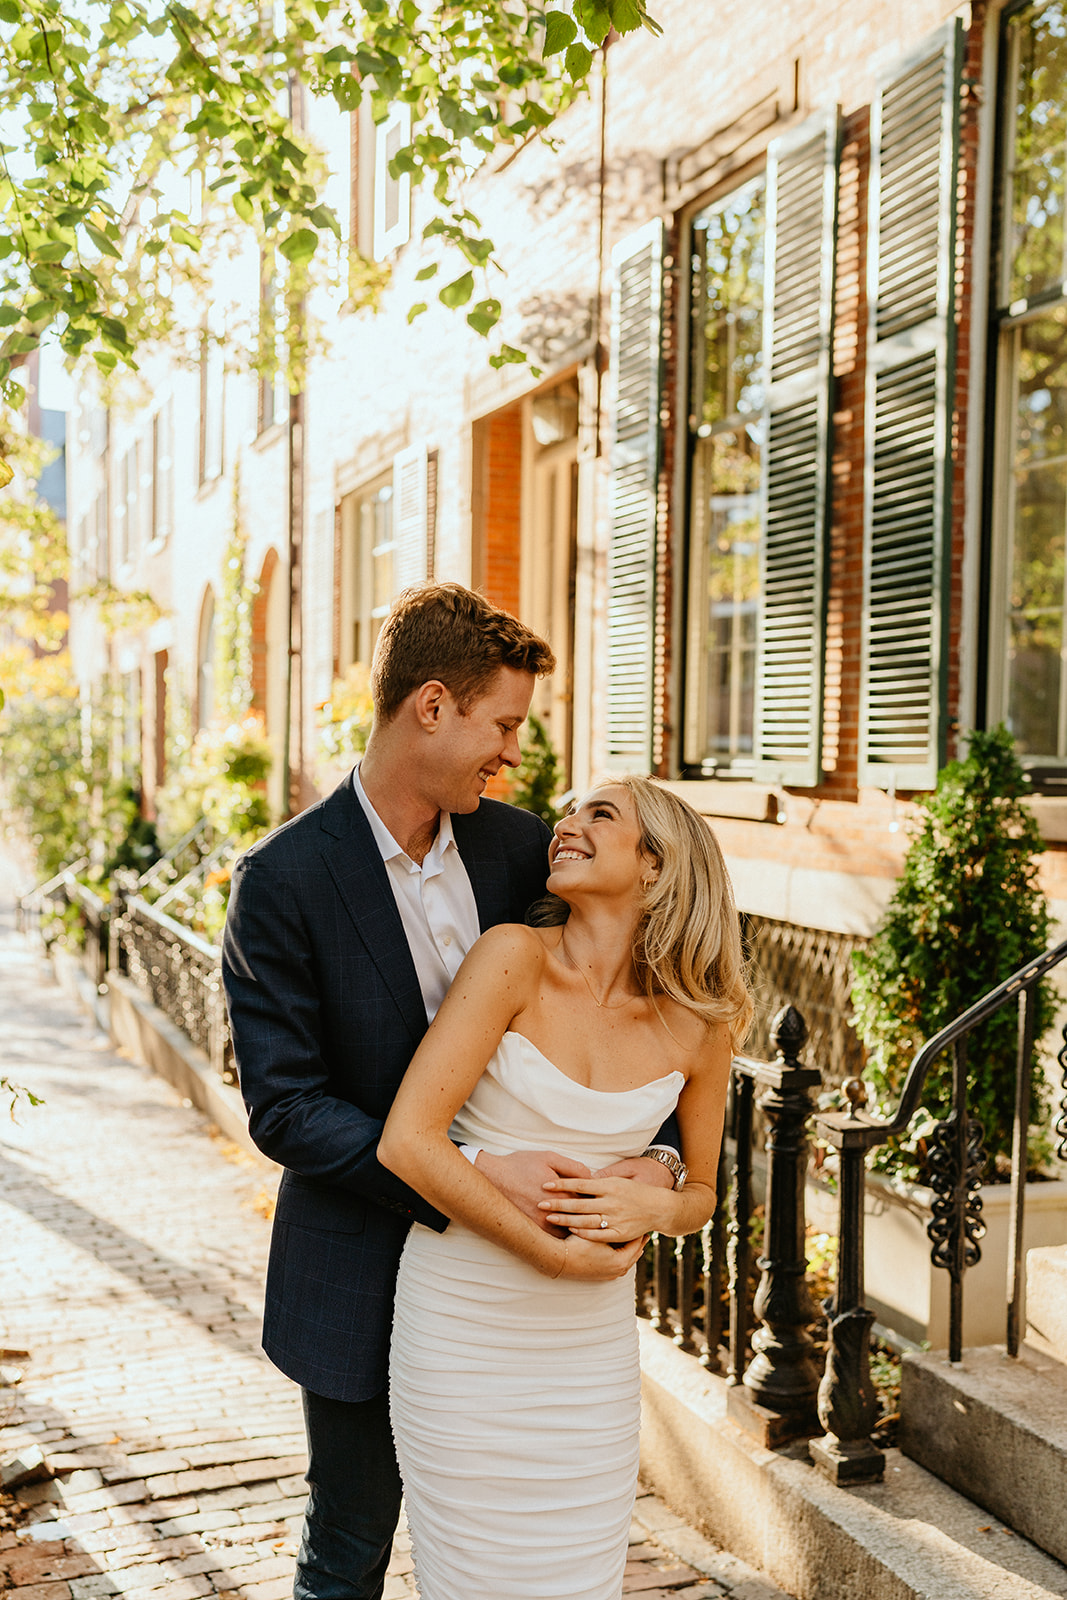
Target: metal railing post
{"x": 848, "y": 1404}
{"x": 777, "y": 1400}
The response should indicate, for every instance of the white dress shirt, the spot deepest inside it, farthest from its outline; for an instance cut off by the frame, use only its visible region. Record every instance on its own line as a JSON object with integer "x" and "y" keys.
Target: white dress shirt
{"x": 435, "y": 901}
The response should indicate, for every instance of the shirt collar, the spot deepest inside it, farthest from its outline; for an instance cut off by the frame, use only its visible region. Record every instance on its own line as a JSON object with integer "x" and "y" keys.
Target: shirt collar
{"x": 387, "y": 845}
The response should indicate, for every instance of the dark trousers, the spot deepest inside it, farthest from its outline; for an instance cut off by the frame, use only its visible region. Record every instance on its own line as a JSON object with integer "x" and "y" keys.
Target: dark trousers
{"x": 354, "y": 1499}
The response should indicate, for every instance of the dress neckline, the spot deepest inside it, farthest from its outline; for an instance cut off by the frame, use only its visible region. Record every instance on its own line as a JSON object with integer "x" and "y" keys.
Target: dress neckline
{"x": 513, "y": 1033}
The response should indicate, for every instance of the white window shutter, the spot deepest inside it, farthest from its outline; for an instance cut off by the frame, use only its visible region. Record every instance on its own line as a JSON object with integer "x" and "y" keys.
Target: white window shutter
{"x": 636, "y": 361}
{"x": 908, "y": 468}
{"x": 409, "y": 516}
{"x": 797, "y": 415}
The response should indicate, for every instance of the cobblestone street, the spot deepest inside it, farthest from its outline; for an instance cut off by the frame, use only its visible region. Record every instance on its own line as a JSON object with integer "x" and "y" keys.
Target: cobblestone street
{"x": 132, "y": 1250}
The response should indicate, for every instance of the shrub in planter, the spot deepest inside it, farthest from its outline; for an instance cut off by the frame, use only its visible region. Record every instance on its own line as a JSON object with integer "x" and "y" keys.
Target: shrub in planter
{"x": 966, "y": 913}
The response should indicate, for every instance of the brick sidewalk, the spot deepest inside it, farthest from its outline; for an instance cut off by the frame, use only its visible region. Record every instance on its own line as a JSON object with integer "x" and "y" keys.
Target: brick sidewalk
{"x": 132, "y": 1251}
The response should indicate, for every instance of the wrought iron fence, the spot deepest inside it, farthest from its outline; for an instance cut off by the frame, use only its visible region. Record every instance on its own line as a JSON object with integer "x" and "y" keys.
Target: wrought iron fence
{"x": 180, "y": 973}
{"x": 44, "y": 912}
{"x": 696, "y": 1290}
{"x": 812, "y": 970}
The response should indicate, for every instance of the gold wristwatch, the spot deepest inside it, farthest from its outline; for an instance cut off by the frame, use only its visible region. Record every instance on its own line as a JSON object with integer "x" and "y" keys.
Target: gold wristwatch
{"x": 674, "y": 1164}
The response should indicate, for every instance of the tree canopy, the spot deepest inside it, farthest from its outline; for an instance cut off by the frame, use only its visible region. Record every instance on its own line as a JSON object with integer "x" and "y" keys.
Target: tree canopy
{"x": 133, "y": 130}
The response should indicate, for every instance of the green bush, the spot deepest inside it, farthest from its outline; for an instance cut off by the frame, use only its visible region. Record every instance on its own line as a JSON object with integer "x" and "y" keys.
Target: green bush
{"x": 58, "y": 785}
{"x": 966, "y": 913}
{"x": 538, "y": 775}
{"x": 222, "y": 778}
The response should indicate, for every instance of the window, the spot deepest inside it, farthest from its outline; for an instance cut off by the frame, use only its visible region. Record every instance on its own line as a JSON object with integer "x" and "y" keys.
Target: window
{"x": 368, "y": 563}
{"x": 128, "y": 510}
{"x": 380, "y": 204}
{"x": 392, "y": 194}
{"x": 1029, "y": 672}
{"x": 101, "y": 539}
{"x": 273, "y": 398}
{"x": 212, "y": 379}
{"x": 726, "y": 433}
{"x": 162, "y": 484}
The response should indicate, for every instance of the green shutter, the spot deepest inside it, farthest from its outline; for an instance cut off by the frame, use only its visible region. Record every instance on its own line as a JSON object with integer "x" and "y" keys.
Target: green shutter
{"x": 635, "y": 363}
{"x": 908, "y": 466}
{"x": 798, "y": 363}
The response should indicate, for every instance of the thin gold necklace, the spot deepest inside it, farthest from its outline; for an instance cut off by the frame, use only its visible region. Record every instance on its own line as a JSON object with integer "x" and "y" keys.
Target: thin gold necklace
{"x": 598, "y": 1003}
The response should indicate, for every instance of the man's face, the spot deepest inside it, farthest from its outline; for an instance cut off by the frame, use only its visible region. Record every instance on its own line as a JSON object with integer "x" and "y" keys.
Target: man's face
{"x": 469, "y": 750}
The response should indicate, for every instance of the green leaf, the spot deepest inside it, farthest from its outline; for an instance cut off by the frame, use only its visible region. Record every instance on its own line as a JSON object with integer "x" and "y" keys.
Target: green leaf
{"x": 181, "y": 235}
{"x": 484, "y": 317}
{"x": 626, "y": 15}
{"x": 102, "y": 242}
{"x": 8, "y": 315}
{"x": 300, "y": 246}
{"x": 578, "y": 61}
{"x": 458, "y": 292}
{"x": 243, "y": 207}
{"x": 347, "y": 91}
{"x": 595, "y": 19}
{"x": 508, "y": 356}
{"x": 560, "y": 31}
{"x": 416, "y": 311}
{"x": 426, "y": 272}
{"x": 106, "y": 360}
{"x": 9, "y": 11}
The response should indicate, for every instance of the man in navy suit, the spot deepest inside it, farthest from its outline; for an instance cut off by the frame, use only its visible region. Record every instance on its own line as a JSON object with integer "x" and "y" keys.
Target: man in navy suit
{"x": 345, "y": 928}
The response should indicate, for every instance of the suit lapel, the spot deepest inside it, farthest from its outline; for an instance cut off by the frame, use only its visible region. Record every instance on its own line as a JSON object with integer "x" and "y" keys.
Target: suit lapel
{"x": 362, "y": 881}
{"x": 487, "y": 870}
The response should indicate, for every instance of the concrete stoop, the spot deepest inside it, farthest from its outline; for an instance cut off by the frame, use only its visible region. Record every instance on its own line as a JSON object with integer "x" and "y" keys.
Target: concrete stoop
{"x": 995, "y": 1429}
{"x": 1046, "y": 1300}
{"x": 911, "y": 1537}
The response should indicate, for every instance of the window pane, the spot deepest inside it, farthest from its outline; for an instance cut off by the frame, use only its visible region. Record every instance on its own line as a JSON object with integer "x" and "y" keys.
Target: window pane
{"x": 726, "y": 418}
{"x": 1039, "y": 521}
{"x": 1038, "y": 155}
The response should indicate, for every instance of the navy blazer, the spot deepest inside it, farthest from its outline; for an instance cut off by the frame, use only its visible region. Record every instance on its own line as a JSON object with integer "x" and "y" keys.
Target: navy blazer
{"x": 326, "y": 1013}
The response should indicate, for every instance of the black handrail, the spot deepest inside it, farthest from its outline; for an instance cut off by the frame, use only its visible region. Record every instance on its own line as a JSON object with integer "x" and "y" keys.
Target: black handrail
{"x": 956, "y": 1161}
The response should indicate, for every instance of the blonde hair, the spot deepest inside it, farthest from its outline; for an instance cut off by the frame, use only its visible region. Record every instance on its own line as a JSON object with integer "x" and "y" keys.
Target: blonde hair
{"x": 687, "y": 940}
{"x": 687, "y": 943}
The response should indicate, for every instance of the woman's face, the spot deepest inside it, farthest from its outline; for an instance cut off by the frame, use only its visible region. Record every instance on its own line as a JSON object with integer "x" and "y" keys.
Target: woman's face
{"x": 597, "y": 846}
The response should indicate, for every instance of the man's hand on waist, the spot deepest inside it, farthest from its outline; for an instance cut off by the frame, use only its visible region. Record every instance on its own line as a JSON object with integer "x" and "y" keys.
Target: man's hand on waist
{"x": 522, "y": 1175}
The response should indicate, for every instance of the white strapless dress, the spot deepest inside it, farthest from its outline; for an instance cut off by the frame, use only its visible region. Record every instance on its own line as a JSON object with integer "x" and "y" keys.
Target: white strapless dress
{"x": 515, "y": 1397}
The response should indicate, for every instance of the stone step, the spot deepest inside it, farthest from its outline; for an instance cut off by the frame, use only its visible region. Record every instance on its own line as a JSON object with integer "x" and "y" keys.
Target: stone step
{"x": 1046, "y": 1300}
{"x": 910, "y": 1537}
{"x": 995, "y": 1429}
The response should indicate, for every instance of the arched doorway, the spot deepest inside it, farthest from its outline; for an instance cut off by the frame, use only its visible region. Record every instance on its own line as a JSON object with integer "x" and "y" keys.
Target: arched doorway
{"x": 204, "y": 710}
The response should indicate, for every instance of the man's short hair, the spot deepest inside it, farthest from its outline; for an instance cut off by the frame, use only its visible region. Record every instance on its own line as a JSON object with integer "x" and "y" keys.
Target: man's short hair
{"x": 446, "y": 632}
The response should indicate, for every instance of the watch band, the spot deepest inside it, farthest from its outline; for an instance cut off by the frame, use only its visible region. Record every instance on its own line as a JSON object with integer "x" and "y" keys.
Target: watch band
{"x": 674, "y": 1164}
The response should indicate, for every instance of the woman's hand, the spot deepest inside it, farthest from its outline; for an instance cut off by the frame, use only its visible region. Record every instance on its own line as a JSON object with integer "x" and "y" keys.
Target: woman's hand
{"x": 608, "y": 1210}
{"x": 592, "y": 1262}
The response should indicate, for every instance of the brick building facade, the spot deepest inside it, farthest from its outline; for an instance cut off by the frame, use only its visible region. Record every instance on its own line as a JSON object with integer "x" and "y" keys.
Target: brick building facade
{"x": 773, "y": 495}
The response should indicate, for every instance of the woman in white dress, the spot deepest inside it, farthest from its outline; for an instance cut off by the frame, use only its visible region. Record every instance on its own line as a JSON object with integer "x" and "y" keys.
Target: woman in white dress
{"x": 515, "y": 1380}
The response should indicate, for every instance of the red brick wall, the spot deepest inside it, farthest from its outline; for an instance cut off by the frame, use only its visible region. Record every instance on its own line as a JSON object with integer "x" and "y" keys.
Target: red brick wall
{"x": 841, "y": 695}
{"x": 501, "y": 467}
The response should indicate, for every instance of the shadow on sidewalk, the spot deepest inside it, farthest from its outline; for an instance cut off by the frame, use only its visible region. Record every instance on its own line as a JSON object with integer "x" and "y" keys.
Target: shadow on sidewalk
{"x": 96, "y": 1530}
{"x": 163, "y": 1277}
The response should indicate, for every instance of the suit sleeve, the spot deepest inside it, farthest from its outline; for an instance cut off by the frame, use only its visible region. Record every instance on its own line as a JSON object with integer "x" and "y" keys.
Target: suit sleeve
{"x": 272, "y": 996}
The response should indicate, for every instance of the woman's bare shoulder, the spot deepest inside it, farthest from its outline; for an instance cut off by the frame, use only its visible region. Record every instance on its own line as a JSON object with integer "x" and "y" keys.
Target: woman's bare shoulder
{"x": 513, "y": 941}
{"x": 696, "y": 1037}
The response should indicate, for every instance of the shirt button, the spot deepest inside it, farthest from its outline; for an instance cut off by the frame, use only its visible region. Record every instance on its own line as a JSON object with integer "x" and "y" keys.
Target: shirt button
{"x": 447, "y": 939}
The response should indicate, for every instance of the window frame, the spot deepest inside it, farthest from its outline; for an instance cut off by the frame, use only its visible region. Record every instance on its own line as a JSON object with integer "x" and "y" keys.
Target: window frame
{"x": 1005, "y": 318}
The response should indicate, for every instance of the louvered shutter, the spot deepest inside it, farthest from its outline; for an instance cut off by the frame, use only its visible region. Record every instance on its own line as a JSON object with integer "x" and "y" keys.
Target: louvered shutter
{"x": 910, "y": 361}
{"x": 635, "y": 364}
{"x": 798, "y": 350}
{"x": 409, "y": 516}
